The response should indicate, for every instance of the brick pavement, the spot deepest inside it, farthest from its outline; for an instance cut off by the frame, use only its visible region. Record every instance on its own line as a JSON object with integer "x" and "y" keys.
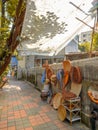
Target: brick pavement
{"x": 22, "y": 109}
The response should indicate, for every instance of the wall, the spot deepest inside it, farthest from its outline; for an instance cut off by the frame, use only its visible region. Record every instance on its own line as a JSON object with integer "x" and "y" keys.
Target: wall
{"x": 85, "y": 36}
{"x": 21, "y": 62}
{"x": 89, "y": 70}
{"x": 79, "y": 55}
{"x": 71, "y": 47}
{"x": 62, "y": 52}
{"x": 29, "y": 61}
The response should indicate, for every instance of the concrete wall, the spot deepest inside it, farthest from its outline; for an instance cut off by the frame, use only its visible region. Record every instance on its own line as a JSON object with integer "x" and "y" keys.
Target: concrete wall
{"x": 89, "y": 70}
{"x": 29, "y": 61}
{"x": 79, "y": 55}
{"x": 21, "y": 62}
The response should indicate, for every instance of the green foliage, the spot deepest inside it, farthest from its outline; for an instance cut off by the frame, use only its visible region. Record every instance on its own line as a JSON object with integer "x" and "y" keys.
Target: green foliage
{"x": 4, "y": 75}
{"x": 95, "y": 42}
{"x": 3, "y": 44}
{"x": 84, "y": 47}
{"x": 11, "y": 8}
{"x": 5, "y": 28}
{"x": 4, "y": 33}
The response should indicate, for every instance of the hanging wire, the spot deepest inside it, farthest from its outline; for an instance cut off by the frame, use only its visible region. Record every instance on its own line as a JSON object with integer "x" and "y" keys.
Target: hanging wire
{"x": 78, "y": 8}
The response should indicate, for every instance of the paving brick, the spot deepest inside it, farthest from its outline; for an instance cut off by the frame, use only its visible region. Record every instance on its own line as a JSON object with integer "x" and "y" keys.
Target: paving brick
{"x": 22, "y": 109}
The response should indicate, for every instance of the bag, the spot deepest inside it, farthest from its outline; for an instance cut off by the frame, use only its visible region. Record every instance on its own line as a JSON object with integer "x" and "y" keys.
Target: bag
{"x": 43, "y": 77}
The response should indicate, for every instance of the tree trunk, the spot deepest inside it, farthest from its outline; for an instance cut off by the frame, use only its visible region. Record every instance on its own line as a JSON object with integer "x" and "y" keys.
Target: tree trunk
{"x": 13, "y": 41}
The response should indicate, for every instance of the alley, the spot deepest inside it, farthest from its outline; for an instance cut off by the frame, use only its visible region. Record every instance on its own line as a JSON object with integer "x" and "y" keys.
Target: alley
{"x": 22, "y": 109}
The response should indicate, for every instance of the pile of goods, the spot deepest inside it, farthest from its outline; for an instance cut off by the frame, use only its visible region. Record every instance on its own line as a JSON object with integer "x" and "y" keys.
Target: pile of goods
{"x": 72, "y": 74}
{"x": 68, "y": 74}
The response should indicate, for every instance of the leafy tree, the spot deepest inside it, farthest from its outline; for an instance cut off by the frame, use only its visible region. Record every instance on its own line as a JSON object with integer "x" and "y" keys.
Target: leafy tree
{"x": 84, "y": 47}
{"x": 95, "y": 42}
{"x": 12, "y": 21}
{"x": 9, "y": 37}
{"x": 11, "y": 25}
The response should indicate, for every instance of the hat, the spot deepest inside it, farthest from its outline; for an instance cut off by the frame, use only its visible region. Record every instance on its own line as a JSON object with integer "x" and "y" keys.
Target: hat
{"x": 67, "y": 65}
{"x": 61, "y": 112}
{"x": 57, "y": 100}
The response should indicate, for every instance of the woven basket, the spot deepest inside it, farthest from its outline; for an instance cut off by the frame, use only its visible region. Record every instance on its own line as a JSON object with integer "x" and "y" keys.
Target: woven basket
{"x": 53, "y": 77}
{"x": 67, "y": 65}
{"x": 49, "y": 72}
{"x": 67, "y": 95}
{"x": 75, "y": 74}
{"x": 47, "y": 81}
{"x": 76, "y": 88}
{"x": 57, "y": 100}
{"x": 61, "y": 113}
{"x": 95, "y": 94}
{"x": 65, "y": 79}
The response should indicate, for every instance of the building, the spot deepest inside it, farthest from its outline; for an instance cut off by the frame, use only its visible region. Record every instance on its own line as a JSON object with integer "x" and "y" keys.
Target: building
{"x": 51, "y": 48}
{"x": 29, "y": 58}
{"x": 85, "y": 36}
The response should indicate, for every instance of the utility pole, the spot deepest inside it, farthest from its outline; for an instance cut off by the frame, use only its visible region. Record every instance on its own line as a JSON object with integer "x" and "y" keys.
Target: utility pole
{"x": 94, "y": 11}
{"x": 12, "y": 42}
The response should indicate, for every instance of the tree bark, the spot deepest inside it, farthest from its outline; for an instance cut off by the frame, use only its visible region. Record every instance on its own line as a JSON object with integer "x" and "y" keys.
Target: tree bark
{"x": 13, "y": 41}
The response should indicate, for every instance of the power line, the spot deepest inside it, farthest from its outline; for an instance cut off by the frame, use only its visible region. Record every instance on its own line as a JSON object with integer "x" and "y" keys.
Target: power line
{"x": 78, "y": 8}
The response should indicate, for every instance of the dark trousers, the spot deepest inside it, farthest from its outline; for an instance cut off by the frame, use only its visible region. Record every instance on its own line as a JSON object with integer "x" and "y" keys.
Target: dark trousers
{"x": 93, "y": 123}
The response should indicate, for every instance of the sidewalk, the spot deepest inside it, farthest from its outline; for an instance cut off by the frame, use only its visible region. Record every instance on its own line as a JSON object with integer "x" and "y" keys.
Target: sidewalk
{"x": 22, "y": 109}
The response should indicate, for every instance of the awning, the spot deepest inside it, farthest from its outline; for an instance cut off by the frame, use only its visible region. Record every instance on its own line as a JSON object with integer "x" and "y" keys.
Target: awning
{"x": 66, "y": 13}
